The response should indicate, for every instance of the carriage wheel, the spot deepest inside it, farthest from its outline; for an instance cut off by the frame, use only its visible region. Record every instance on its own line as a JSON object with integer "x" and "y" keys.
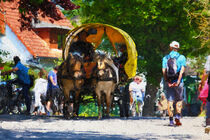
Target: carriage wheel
{"x": 68, "y": 110}
{"x": 123, "y": 103}
{"x": 2, "y": 109}
{"x": 120, "y": 104}
{"x": 66, "y": 113}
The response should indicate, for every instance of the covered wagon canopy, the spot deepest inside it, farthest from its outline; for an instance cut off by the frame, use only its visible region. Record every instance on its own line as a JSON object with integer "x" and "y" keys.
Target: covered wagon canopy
{"x": 115, "y": 35}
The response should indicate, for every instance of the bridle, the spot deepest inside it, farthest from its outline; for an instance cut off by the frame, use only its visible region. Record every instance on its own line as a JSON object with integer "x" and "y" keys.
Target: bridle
{"x": 102, "y": 73}
{"x": 71, "y": 71}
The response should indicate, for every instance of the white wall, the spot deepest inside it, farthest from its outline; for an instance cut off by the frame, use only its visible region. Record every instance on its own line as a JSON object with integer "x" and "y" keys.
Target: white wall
{"x": 9, "y": 42}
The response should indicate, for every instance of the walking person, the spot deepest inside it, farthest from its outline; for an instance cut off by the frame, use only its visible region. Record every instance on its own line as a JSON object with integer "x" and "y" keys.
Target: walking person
{"x": 206, "y": 75}
{"x": 173, "y": 67}
{"x": 207, "y": 69}
{"x": 40, "y": 89}
{"x": 53, "y": 92}
{"x": 23, "y": 79}
{"x": 161, "y": 101}
{"x": 137, "y": 93}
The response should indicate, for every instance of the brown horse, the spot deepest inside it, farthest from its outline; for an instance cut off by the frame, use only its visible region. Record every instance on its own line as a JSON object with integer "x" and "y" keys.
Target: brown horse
{"x": 105, "y": 77}
{"x": 71, "y": 80}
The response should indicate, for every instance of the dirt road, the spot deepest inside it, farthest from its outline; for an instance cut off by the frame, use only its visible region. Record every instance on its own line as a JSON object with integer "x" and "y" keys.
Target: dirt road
{"x": 38, "y": 127}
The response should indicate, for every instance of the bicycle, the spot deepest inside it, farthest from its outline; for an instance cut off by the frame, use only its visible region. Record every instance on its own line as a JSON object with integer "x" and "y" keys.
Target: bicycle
{"x": 11, "y": 98}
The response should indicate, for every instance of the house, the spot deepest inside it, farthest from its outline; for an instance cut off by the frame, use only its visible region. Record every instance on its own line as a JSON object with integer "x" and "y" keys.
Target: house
{"x": 42, "y": 44}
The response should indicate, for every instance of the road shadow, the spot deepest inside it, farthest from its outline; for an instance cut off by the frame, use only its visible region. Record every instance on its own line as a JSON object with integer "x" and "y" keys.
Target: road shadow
{"x": 18, "y": 118}
{"x": 83, "y": 135}
{"x": 15, "y": 117}
{"x": 41, "y": 133}
{"x": 89, "y": 135}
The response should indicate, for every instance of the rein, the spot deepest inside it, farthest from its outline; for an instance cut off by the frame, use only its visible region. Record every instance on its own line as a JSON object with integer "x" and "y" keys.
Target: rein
{"x": 106, "y": 72}
{"x": 72, "y": 72}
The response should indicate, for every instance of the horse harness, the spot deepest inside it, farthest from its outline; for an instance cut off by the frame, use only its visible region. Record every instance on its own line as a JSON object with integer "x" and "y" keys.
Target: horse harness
{"x": 71, "y": 71}
{"x": 105, "y": 74}
{"x": 71, "y": 74}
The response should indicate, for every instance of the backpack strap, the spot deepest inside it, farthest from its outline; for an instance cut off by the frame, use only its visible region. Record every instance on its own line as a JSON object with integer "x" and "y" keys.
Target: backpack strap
{"x": 177, "y": 57}
{"x": 168, "y": 56}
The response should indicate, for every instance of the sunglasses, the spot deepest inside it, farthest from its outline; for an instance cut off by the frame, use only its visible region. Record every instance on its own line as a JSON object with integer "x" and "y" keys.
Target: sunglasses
{"x": 137, "y": 79}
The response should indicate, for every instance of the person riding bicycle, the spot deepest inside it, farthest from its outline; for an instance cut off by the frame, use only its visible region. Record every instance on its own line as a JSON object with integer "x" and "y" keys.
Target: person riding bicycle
{"x": 137, "y": 93}
{"x": 23, "y": 79}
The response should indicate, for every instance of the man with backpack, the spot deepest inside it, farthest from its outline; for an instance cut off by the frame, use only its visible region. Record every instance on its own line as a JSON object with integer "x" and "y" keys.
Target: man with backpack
{"x": 173, "y": 67}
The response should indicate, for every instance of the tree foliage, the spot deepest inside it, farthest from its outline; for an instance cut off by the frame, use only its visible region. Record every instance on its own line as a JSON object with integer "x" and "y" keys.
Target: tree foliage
{"x": 152, "y": 25}
{"x": 201, "y": 18}
{"x": 30, "y": 9}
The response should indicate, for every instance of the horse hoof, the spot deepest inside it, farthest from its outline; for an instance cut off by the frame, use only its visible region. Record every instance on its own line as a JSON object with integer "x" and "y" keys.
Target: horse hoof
{"x": 74, "y": 115}
{"x": 106, "y": 116}
{"x": 67, "y": 117}
{"x": 99, "y": 117}
{"x": 56, "y": 113}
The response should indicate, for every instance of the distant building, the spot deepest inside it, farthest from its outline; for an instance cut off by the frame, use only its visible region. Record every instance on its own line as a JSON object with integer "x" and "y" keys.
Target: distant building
{"x": 42, "y": 44}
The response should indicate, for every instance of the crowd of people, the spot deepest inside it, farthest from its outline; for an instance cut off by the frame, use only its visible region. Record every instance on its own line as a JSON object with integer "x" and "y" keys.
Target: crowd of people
{"x": 173, "y": 67}
{"x": 48, "y": 95}
{"x": 46, "y": 89}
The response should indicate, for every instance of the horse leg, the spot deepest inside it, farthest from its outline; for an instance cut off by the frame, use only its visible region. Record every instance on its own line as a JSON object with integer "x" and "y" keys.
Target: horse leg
{"x": 55, "y": 102}
{"x": 66, "y": 111}
{"x": 103, "y": 104}
{"x": 60, "y": 103}
{"x": 76, "y": 103}
{"x": 108, "y": 103}
{"x": 99, "y": 103}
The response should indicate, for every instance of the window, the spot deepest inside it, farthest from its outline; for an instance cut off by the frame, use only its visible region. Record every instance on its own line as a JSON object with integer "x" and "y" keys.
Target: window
{"x": 60, "y": 41}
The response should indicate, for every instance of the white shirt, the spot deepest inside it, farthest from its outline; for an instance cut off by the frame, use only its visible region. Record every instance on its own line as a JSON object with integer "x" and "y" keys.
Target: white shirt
{"x": 207, "y": 65}
{"x": 40, "y": 86}
{"x": 137, "y": 89}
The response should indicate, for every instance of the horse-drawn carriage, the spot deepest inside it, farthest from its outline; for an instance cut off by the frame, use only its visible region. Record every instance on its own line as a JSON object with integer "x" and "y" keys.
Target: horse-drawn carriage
{"x": 89, "y": 69}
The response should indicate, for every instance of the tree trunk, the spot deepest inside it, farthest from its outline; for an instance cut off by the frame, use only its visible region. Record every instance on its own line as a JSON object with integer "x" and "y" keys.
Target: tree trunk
{"x": 149, "y": 102}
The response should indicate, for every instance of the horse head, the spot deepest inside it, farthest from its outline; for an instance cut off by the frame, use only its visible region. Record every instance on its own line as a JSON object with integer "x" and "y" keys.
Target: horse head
{"x": 75, "y": 65}
{"x": 100, "y": 61}
{"x": 104, "y": 63}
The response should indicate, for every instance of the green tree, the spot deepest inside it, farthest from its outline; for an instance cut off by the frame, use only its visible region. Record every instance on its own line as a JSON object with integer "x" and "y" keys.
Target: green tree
{"x": 201, "y": 17}
{"x": 152, "y": 25}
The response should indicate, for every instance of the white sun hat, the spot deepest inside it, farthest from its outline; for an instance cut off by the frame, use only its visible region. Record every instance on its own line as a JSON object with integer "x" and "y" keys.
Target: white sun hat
{"x": 174, "y": 44}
